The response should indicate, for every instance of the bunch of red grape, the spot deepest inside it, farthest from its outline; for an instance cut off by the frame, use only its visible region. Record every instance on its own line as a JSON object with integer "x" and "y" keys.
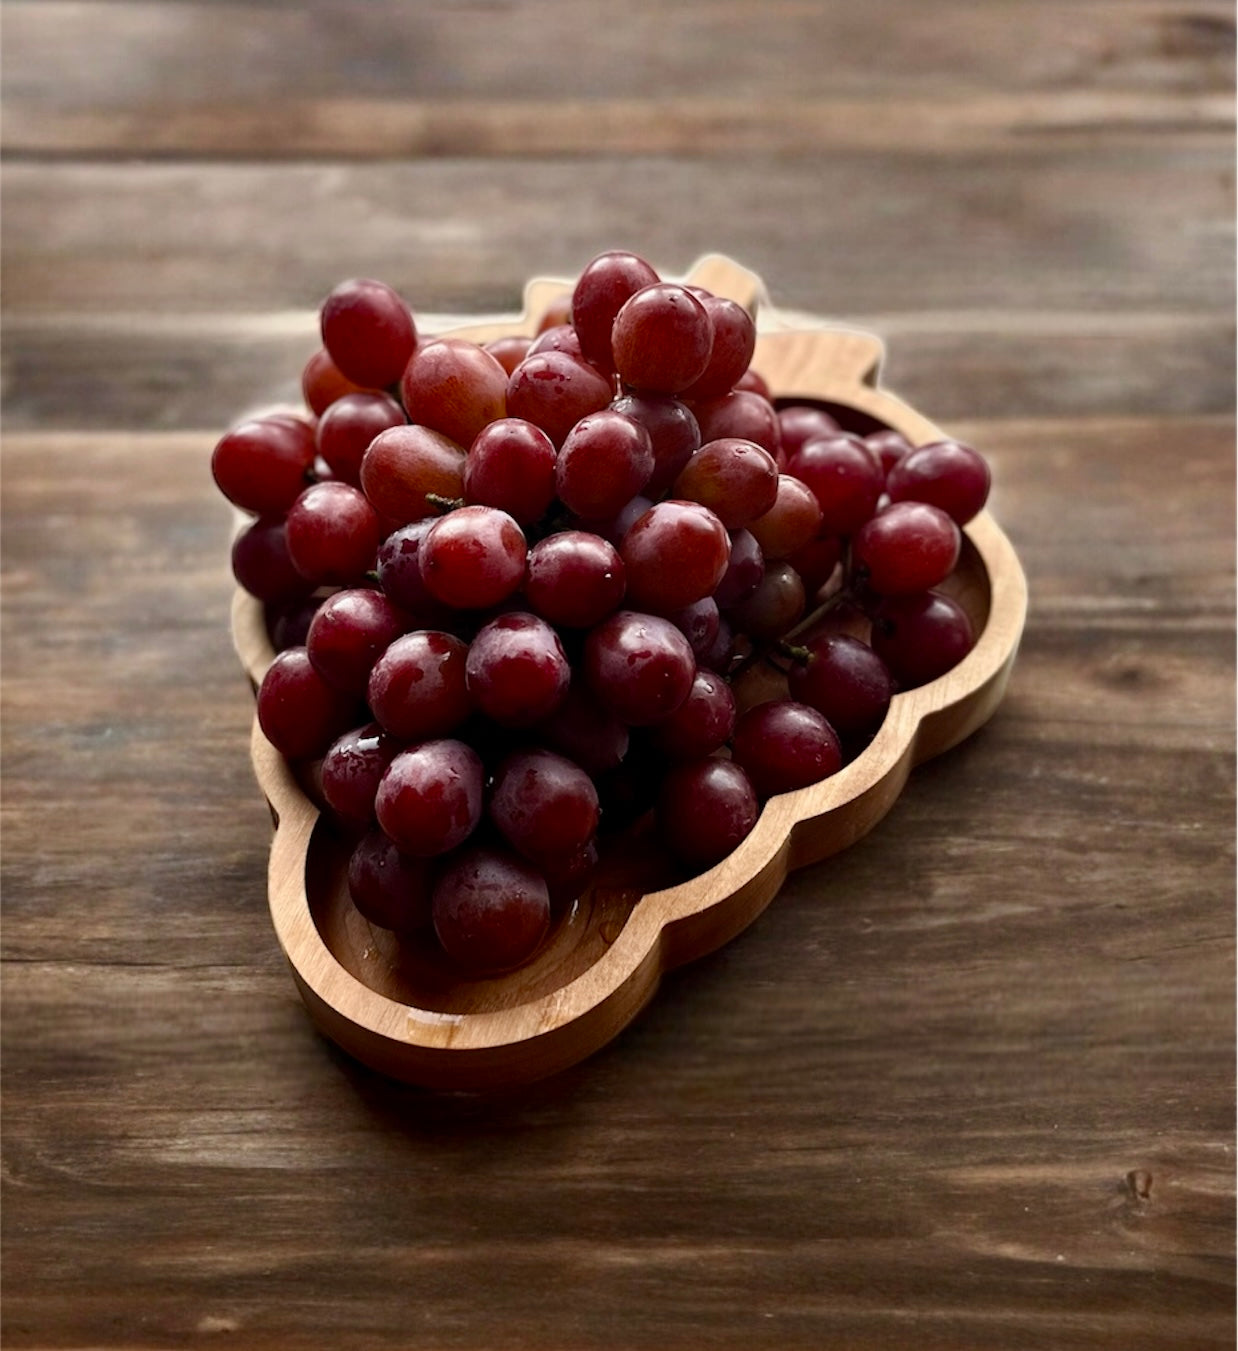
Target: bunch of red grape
{"x": 510, "y": 585}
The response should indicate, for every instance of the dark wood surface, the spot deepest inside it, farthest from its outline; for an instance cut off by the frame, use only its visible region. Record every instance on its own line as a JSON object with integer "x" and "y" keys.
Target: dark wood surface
{"x": 969, "y": 1084}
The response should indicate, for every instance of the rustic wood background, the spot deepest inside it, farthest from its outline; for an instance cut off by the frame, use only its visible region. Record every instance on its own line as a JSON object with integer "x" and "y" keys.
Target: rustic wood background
{"x": 969, "y": 1085}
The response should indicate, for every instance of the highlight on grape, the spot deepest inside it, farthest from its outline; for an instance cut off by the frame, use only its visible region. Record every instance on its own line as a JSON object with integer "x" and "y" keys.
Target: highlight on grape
{"x": 511, "y": 586}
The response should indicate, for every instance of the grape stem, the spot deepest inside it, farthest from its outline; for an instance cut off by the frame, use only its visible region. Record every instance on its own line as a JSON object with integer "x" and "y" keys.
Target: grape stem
{"x": 444, "y": 504}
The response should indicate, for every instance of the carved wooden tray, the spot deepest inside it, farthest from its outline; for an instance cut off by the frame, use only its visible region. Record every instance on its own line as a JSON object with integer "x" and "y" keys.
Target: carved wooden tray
{"x": 399, "y": 1007}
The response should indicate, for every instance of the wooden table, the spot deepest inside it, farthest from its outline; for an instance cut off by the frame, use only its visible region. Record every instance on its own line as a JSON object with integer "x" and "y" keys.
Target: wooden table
{"x": 969, "y": 1084}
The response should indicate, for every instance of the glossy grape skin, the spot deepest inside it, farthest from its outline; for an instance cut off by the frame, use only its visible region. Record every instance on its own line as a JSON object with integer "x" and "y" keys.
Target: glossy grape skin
{"x": 661, "y": 339}
{"x": 638, "y": 666}
{"x": 585, "y": 732}
{"x": 348, "y": 634}
{"x": 604, "y": 285}
{"x": 574, "y": 578}
{"x": 263, "y": 464}
{"x": 604, "y": 461}
{"x": 889, "y": 446}
{"x": 405, "y": 467}
{"x": 558, "y": 338}
{"x": 511, "y": 465}
{"x": 490, "y": 909}
{"x": 845, "y": 478}
{"x": 908, "y": 547}
{"x": 544, "y": 806}
{"x": 399, "y": 575}
{"x": 744, "y": 415}
{"x": 322, "y": 383}
{"x": 920, "y": 637}
{"x": 430, "y": 799}
{"x": 721, "y": 651}
{"x": 946, "y": 474}
{"x": 736, "y": 479}
{"x": 705, "y": 811}
{"x": 517, "y": 672}
{"x": 799, "y": 423}
{"x": 784, "y": 745}
{"x": 556, "y": 314}
{"x": 473, "y": 557}
{"x": 299, "y": 713}
{"x": 615, "y": 527}
{"x": 777, "y": 603}
{"x": 673, "y": 434}
{"x": 333, "y": 534}
{"x": 675, "y": 554}
{"x": 698, "y": 623}
{"x": 510, "y": 351}
{"x": 369, "y": 332}
{"x": 791, "y": 522}
{"x": 745, "y": 568}
{"x": 261, "y": 563}
{"x": 569, "y": 876}
{"x": 289, "y": 622}
{"x": 454, "y": 387}
{"x": 390, "y": 889}
{"x": 735, "y": 340}
{"x": 347, "y": 427}
{"x": 554, "y": 391}
{"x": 753, "y": 382}
{"x": 701, "y": 724}
{"x": 845, "y": 681}
{"x": 418, "y": 687}
{"x": 352, "y": 769}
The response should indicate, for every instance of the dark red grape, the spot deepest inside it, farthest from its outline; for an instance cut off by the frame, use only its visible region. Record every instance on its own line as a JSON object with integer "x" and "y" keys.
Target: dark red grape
{"x": 605, "y": 460}
{"x": 554, "y": 391}
{"x": 322, "y": 382}
{"x": 783, "y": 745}
{"x": 350, "y": 631}
{"x": 801, "y": 422}
{"x": 261, "y": 563}
{"x": 661, "y": 339}
{"x": 491, "y": 911}
{"x": 638, "y": 666}
{"x": 777, "y": 603}
{"x": 889, "y": 446}
{"x": 706, "y": 809}
{"x": 908, "y": 547}
{"x": 742, "y": 414}
{"x": 603, "y": 286}
{"x": 473, "y": 557}
{"x": 698, "y": 623}
{"x": 921, "y": 637}
{"x": 845, "y": 681}
{"x": 557, "y": 338}
{"x": 262, "y": 465}
{"x": 744, "y": 570}
{"x": 418, "y": 686}
{"x": 701, "y": 724}
{"x": 517, "y": 671}
{"x": 407, "y": 466}
{"x": 369, "y": 332}
{"x": 673, "y": 434}
{"x": 574, "y": 578}
{"x": 455, "y": 387}
{"x": 845, "y": 478}
{"x": 735, "y": 339}
{"x": 430, "y": 798}
{"x": 333, "y": 534}
{"x": 676, "y": 553}
{"x": 347, "y": 427}
{"x": 946, "y": 474}
{"x": 511, "y": 465}
{"x": 351, "y": 770}
{"x": 585, "y": 732}
{"x": 299, "y": 713}
{"x": 390, "y": 889}
{"x": 544, "y": 806}
{"x": 817, "y": 561}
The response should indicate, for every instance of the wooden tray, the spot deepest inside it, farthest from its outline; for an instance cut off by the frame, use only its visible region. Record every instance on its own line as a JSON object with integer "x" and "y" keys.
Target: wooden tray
{"x": 400, "y": 1008}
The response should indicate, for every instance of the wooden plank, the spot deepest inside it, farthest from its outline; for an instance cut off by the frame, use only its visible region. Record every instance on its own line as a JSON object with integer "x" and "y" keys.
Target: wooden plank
{"x": 849, "y": 234}
{"x": 179, "y": 372}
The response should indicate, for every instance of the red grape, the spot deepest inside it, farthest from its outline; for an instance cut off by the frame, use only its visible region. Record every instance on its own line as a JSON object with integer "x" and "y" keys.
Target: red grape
{"x": 801, "y": 422}
{"x": 889, "y": 446}
{"x": 430, "y": 798}
{"x": 706, "y": 809}
{"x": 418, "y": 686}
{"x": 406, "y": 466}
{"x": 511, "y": 465}
{"x": 661, "y": 339}
{"x": 845, "y": 680}
{"x": 783, "y": 745}
{"x": 585, "y": 732}
{"x": 676, "y": 553}
{"x": 701, "y": 724}
{"x": 638, "y": 666}
{"x": 736, "y": 479}
{"x": 517, "y": 671}
{"x": 491, "y": 911}
{"x": 673, "y": 434}
{"x": 369, "y": 332}
{"x": 322, "y": 382}
{"x": 605, "y": 460}
{"x": 742, "y": 414}
{"x": 261, "y": 562}
{"x": 347, "y": 427}
{"x": 333, "y": 534}
{"x": 454, "y": 387}
{"x": 921, "y": 637}
{"x": 510, "y": 351}
{"x": 399, "y": 575}
{"x": 299, "y": 713}
{"x": 545, "y": 806}
{"x": 777, "y": 603}
{"x": 348, "y": 634}
{"x": 262, "y": 465}
{"x": 908, "y": 547}
{"x": 554, "y": 391}
{"x": 390, "y": 889}
{"x": 845, "y": 478}
{"x": 473, "y": 557}
{"x": 744, "y": 570}
{"x": 575, "y": 578}
{"x": 602, "y": 288}
{"x": 946, "y": 474}
{"x": 792, "y": 521}
{"x": 735, "y": 339}
{"x": 351, "y": 770}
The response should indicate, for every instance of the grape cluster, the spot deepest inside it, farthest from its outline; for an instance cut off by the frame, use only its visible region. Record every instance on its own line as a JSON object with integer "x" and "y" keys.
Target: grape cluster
{"x": 510, "y": 586}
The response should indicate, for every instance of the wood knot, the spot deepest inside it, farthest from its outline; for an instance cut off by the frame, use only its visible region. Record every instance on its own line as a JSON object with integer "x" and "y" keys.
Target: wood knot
{"x": 1139, "y": 1184}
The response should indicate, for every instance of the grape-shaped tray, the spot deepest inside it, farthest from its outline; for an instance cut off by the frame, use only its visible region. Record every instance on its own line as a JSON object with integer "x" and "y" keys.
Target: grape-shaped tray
{"x": 399, "y": 1006}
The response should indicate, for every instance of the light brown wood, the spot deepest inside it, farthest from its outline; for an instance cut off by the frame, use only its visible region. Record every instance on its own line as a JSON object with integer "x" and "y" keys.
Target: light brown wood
{"x": 397, "y": 1004}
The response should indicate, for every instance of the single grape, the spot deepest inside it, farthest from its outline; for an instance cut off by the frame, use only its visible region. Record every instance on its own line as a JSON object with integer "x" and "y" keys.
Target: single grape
{"x": 349, "y": 632}
{"x": 399, "y": 575}
{"x": 721, "y": 652}
{"x": 744, "y": 570}
{"x": 554, "y": 391}
{"x": 333, "y": 534}
{"x": 568, "y": 877}
{"x": 676, "y": 553}
{"x": 701, "y": 724}
{"x": 289, "y": 622}
{"x": 742, "y": 414}
{"x": 754, "y": 382}
{"x": 735, "y": 339}
{"x": 783, "y": 745}
{"x": 261, "y": 563}
{"x": 574, "y": 579}
{"x": 322, "y": 382}
{"x": 418, "y": 687}
{"x": 661, "y": 339}
{"x": 801, "y": 422}
{"x": 673, "y": 434}
{"x": 791, "y": 522}
{"x": 557, "y": 338}
{"x": 430, "y": 798}
{"x": 491, "y": 911}
{"x": 817, "y": 561}
{"x": 352, "y": 769}
{"x": 369, "y": 332}
{"x": 706, "y": 809}
{"x": 698, "y": 623}
{"x": 777, "y": 603}
{"x": 510, "y": 351}
{"x": 544, "y": 806}
{"x": 263, "y": 464}
{"x": 946, "y": 474}
{"x": 844, "y": 680}
{"x": 406, "y": 467}
{"x": 517, "y": 671}
{"x": 473, "y": 557}
{"x": 604, "y": 285}
{"x": 736, "y": 479}
{"x": 908, "y": 547}
{"x": 845, "y": 478}
{"x": 299, "y": 713}
{"x": 454, "y": 387}
{"x": 638, "y": 666}
{"x": 556, "y": 314}
{"x": 889, "y": 446}
{"x": 511, "y": 465}
{"x": 390, "y": 889}
{"x": 615, "y": 527}
{"x": 921, "y": 637}
{"x": 585, "y": 732}
{"x": 347, "y": 427}
{"x": 605, "y": 460}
